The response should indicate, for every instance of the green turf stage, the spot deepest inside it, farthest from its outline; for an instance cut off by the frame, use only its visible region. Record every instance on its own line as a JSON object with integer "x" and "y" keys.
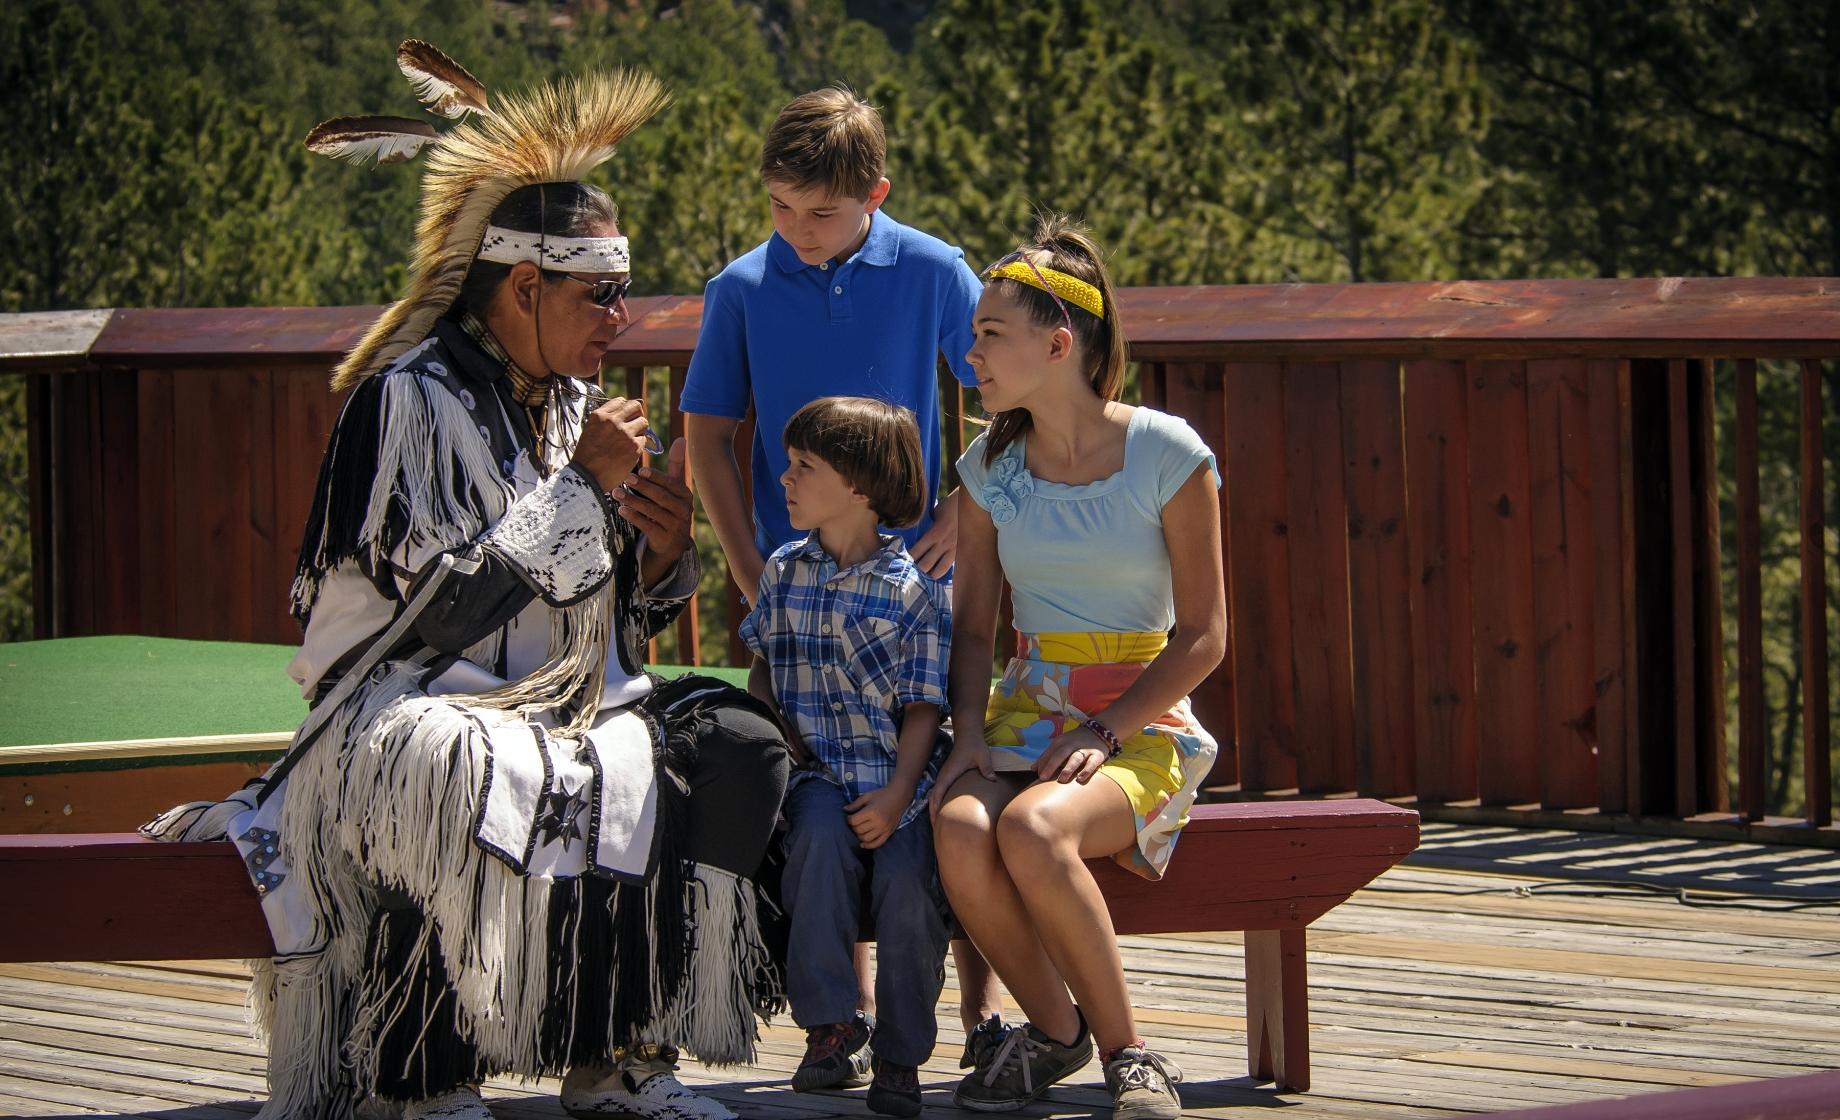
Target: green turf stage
{"x": 80, "y": 690}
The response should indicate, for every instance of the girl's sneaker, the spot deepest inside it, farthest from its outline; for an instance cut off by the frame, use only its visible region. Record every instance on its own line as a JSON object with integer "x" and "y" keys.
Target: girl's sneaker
{"x": 1143, "y": 1085}
{"x": 982, "y": 1042}
{"x": 1020, "y": 1068}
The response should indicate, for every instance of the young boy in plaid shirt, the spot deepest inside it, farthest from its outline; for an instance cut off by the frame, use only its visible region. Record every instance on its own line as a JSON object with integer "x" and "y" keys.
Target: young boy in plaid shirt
{"x": 850, "y": 641}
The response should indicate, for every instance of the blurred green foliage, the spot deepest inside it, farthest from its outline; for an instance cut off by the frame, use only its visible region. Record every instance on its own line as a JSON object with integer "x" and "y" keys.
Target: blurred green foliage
{"x": 156, "y": 158}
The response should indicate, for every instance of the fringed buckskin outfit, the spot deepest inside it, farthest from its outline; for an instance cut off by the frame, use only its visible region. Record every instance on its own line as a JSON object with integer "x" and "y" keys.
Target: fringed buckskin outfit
{"x": 506, "y": 849}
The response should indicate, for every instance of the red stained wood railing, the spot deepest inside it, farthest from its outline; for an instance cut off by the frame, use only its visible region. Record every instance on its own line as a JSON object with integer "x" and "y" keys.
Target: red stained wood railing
{"x": 1817, "y": 739}
{"x": 1471, "y": 530}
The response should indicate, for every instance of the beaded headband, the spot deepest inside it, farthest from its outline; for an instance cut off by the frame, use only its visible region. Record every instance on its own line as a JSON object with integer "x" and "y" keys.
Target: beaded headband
{"x": 555, "y": 254}
{"x": 1056, "y": 283}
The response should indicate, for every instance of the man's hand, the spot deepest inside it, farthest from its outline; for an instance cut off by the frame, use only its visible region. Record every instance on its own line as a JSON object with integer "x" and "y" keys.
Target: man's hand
{"x": 875, "y": 815}
{"x": 935, "y": 549}
{"x": 612, "y": 440}
{"x": 658, "y": 504}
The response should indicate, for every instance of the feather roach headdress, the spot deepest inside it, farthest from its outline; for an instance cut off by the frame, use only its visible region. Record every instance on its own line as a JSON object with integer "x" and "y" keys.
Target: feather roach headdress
{"x": 555, "y": 133}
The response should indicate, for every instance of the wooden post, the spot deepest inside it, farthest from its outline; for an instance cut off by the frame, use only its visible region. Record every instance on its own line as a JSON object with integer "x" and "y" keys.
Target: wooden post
{"x": 1277, "y": 1008}
{"x": 1750, "y": 601}
{"x": 1680, "y": 531}
{"x": 1816, "y": 740}
{"x": 1379, "y": 571}
{"x": 1437, "y": 510}
{"x": 1318, "y": 554}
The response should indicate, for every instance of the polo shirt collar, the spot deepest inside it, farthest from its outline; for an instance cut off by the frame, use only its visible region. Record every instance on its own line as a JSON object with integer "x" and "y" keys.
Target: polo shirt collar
{"x": 881, "y": 247}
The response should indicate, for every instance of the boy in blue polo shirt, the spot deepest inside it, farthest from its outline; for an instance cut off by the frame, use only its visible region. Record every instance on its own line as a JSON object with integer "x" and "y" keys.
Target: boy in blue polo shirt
{"x": 842, "y": 300}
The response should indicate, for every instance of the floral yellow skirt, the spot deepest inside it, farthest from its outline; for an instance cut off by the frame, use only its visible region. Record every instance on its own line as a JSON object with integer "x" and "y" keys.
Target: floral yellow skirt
{"x": 1058, "y": 680}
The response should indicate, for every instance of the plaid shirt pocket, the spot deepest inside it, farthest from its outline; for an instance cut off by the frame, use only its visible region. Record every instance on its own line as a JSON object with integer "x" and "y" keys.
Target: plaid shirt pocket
{"x": 871, "y": 649}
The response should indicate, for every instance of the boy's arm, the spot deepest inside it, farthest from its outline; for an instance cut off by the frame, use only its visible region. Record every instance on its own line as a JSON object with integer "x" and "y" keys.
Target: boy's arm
{"x": 914, "y": 749}
{"x": 937, "y": 548}
{"x": 760, "y": 687}
{"x": 718, "y": 480}
{"x": 875, "y": 815}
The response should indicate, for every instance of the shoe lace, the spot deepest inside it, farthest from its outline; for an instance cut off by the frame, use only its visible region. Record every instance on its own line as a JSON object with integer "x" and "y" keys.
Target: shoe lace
{"x": 1141, "y": 1066}
{"x": 897, "y": 1077}
{"x": 831, "y": 1041}
{"x": 1017, "y": 1050}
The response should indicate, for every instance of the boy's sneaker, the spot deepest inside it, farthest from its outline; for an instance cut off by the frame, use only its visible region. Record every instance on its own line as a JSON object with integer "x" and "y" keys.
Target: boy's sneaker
{"x": 641, "y": 1085}
{"x": 1143, "y": 1085}
{"x": 982, "y": 1042}
{"x": 836, "y": 1056}
{"x": 1020, "y": 1068}
{"x": 895, "y": 1090}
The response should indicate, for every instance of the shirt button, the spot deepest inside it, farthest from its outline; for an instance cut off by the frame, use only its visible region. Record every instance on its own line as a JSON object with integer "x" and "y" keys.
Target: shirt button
{"x": 824, "y": 266}
{"x": 838, "y": 290}
{"x": 849, "y": 775}
{"x": 837, "y": 706}
{"x": 827, "y": 628}
{"x": 846, "y": 748}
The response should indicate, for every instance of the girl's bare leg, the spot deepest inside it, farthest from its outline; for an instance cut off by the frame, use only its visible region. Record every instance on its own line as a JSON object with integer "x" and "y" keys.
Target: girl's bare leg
{"x": 979, "y": 996}
{"x": 1043, "y": 835}
{"x": 988, "y": 905}
{"x": 865, "y": 980}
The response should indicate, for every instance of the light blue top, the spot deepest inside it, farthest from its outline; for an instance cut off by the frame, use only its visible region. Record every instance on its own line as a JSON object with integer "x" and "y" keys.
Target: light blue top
{"x": 779, "y": 333}
{"x": 1089, "y": 557}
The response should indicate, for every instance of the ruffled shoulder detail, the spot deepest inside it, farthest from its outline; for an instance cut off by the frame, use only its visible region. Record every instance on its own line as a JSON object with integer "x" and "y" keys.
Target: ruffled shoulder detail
{"x": 1007, "y": 485}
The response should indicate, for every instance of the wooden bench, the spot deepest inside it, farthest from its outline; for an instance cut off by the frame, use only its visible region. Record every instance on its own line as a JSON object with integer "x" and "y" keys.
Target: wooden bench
{"x": 1269, "y": 869}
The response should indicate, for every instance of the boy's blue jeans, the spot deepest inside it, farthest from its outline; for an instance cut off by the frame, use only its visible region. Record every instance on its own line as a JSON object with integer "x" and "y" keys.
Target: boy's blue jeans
{"x": 822, "y": 890}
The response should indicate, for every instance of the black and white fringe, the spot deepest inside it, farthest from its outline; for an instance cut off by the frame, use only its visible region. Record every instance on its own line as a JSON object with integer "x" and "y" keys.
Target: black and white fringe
{"x": 405, "y": 463}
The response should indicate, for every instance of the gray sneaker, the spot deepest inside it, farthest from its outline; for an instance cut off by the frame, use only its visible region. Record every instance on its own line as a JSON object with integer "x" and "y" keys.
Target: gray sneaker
{"x": 1020, "y": 1068}
{"x": 1143, "y": 1085}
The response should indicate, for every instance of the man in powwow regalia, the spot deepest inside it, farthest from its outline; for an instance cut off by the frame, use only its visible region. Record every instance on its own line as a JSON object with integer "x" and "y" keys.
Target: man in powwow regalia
{"x": 497, "y": 845}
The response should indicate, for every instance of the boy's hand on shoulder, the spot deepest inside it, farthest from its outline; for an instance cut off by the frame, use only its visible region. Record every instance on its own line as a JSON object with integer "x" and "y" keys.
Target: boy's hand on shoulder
{"x": 875, "y": 815}
{"x": 936, "y": 547}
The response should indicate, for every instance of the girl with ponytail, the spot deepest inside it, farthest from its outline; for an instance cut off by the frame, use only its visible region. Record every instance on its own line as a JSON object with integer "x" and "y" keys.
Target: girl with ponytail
{"x": 1104, "y": 520}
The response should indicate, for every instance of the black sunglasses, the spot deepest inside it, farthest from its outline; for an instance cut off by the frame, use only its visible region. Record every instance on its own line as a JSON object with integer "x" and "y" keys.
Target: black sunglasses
{"x": 602, "y": 293}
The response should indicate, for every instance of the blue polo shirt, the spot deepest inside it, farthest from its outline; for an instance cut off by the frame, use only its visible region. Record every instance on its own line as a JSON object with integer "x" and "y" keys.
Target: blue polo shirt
{"x": 779, "y": 333}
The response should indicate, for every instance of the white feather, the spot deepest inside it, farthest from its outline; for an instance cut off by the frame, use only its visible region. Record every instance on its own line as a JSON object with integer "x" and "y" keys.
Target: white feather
{"x": 371, "y": 139}
{"x": 445, "y": 86}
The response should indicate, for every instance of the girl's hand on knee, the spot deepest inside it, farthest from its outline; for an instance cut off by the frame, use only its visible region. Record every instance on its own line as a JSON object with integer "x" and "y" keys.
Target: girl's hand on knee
{"x": 967, "y": 755}
{"x": 1072, "y": 756}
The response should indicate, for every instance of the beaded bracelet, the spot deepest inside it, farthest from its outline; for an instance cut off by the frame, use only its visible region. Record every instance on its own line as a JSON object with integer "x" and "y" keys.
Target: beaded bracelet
{"x": 1106, "y": 735}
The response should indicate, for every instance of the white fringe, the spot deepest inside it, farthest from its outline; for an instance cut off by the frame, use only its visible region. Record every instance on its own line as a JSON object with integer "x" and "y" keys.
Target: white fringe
{"x": 429, "y": 457}
{"x": 713, "y": 1015}
{"x": 576, "y": 672}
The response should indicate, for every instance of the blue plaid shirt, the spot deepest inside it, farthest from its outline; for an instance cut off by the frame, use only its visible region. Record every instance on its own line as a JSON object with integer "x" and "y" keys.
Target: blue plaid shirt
{"x": 847, "y": 651}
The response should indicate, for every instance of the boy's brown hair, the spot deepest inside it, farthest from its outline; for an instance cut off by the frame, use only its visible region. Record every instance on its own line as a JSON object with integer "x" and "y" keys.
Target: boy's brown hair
{"x": 829, "y": 137}
{"x": 874, "y": 445}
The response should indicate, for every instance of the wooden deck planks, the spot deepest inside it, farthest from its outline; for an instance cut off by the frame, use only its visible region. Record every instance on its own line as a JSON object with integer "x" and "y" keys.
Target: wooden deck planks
{"x": 1430, "y": 999}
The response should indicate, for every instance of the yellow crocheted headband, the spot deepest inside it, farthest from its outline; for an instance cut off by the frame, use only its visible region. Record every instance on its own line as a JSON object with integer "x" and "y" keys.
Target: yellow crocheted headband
{"x": 1070, "y": 288}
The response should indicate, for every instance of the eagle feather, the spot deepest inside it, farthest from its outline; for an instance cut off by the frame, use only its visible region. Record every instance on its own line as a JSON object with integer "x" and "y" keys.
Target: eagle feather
{"x": 371, "y": 139}
{"x": 555, "y": 133}
{"x": 445, "y": 86}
